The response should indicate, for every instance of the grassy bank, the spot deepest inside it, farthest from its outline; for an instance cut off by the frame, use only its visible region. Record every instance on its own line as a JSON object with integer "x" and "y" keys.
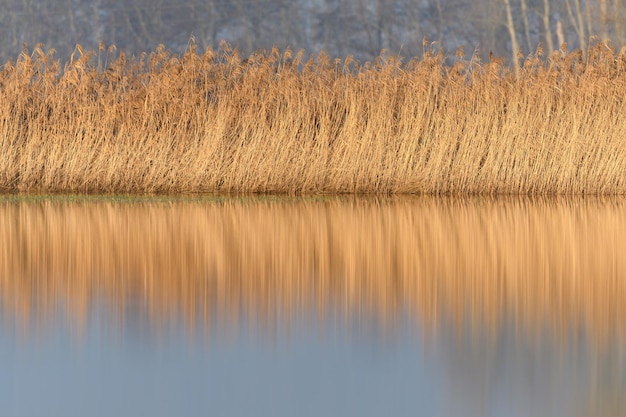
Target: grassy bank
{"x": 273, "y": 122}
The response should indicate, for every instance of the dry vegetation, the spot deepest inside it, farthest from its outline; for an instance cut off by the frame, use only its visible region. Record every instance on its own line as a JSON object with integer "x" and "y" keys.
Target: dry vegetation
{"x": 273, "y": 122}
{"x": 544, "y": 264}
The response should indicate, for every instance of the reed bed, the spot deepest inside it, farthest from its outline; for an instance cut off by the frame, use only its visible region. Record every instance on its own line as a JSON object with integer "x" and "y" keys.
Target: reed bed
{"x": 276, "y": 122}
{"x": 480, "y": 264}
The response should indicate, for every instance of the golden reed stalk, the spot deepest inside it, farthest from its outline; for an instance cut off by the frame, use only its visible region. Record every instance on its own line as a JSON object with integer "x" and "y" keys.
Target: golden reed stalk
{"x": 546, "y": 264}
{"x": 214, "y": 122}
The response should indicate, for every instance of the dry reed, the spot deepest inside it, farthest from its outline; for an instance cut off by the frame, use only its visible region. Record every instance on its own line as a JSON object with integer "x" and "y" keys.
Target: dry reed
{"x": 275, "y": 122}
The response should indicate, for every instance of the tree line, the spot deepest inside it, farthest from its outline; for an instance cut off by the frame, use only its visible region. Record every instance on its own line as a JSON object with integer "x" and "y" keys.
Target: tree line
{"x": 362, "y": 28}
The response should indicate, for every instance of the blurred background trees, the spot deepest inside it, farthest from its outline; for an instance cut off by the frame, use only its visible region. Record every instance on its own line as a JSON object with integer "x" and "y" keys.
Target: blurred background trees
{"x": 358, "y": 27}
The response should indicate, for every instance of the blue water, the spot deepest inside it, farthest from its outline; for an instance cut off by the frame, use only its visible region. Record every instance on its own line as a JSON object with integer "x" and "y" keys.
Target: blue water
{"x": 309, "y": 369}
{"x": 309, "y": 372}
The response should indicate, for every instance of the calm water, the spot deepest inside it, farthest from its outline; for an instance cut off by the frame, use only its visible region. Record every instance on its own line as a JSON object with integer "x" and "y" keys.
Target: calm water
{"x": 313, "y": 307}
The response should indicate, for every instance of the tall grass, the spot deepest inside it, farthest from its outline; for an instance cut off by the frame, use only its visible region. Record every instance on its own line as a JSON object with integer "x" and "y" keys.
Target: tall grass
{"x": 276, "y": 122}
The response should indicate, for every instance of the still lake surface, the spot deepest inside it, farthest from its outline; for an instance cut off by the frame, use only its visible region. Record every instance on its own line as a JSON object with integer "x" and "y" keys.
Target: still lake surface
{"x": 312, "y": 306}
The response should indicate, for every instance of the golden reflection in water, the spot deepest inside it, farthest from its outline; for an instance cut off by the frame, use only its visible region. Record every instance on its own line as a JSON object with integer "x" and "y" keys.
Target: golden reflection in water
{"x": 546, "y": 262}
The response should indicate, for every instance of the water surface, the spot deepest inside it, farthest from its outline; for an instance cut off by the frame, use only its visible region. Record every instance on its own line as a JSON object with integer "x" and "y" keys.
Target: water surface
{"x": 327, "y": 306}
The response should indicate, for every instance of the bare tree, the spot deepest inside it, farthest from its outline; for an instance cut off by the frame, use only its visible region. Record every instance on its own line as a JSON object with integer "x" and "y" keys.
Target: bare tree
{"x": 513, "y": 34}
{"x": 524, "y": 11}
{"x": 577, "y": 19}
{"x": 618, "y": 22}
{"x": 546, "y": 26}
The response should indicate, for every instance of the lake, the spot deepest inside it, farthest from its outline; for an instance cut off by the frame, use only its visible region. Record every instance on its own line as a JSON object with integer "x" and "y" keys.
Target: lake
{"x": 332, "y": 306}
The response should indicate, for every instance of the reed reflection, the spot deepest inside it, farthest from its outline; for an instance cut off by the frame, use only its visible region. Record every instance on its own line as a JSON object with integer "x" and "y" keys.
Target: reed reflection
{"x": 485, "y": 279}
{"x": 556, "y": 263}
{"x": 544, "y": 261}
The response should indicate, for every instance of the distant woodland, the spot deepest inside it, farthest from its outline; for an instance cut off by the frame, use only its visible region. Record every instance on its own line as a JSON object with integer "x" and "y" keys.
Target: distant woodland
{"x": 361, "y": 28}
